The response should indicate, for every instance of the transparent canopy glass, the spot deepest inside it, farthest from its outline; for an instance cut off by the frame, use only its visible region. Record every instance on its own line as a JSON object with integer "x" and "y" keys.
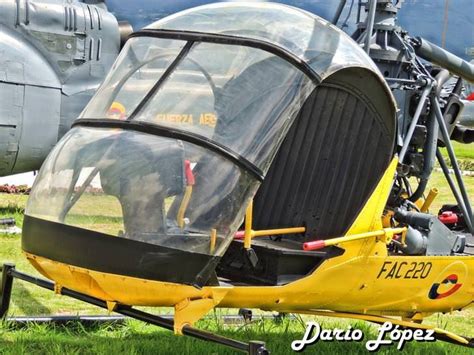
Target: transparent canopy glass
{"x": 240, "y": 97}
{"x": 175, "y": 143}
{"x": 316, "y": 41}
{"x": 141, "y": 187}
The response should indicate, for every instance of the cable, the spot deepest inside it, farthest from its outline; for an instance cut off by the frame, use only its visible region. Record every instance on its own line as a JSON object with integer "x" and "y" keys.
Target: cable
{"x": 344, "y": 24}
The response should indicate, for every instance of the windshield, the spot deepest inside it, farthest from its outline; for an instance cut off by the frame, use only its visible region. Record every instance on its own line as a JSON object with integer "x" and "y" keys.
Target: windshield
{"x": 173, "y": 146}
{"x": 137, "y": 186}
{"x": 239, "y": 97}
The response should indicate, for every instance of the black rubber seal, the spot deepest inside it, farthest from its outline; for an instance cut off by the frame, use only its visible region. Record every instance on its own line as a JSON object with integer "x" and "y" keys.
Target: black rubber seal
{"x": 162, "y": 131}
{"x": 115, "y": 255}
{"x": 161, "y": 80}
{"x": 232, "y": 40}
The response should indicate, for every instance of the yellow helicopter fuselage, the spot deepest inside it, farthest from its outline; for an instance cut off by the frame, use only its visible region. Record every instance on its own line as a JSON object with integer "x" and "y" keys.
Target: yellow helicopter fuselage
{"x": 365, "y": 280}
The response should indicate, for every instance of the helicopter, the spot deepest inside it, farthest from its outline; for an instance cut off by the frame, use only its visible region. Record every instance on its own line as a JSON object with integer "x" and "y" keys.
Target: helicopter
{"x": 54, "y": 55}
{"x": 231, "y": 159}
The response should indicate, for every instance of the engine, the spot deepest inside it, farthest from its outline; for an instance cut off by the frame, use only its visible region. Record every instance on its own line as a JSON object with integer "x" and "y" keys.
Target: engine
{"x": 430, "y": 85}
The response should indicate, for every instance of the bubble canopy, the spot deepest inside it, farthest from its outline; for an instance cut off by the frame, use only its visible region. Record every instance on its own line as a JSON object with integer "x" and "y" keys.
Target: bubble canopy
{"x": 316, "y": 42}
{"x": 176, "y": 141}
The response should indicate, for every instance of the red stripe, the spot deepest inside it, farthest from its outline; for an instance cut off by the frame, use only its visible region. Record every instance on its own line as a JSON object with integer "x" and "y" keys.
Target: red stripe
{"x": 450, "y": 292}
{"x": 452, "y": 277}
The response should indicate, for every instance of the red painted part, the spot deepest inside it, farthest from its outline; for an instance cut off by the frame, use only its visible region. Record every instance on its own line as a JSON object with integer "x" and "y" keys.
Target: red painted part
{"x": 470, "y": 97}
{"x": 190, "y": 181}
{"x": 450, "y": 292}
{"x": 453, "y": 278}
{"x": 316, "y": 245}
{"x": 448, "y": 217}
{"x": 239, "y": 235}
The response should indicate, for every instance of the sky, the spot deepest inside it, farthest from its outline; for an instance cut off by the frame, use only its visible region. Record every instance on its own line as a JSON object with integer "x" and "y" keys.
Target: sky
{"x": 419, "y": 17}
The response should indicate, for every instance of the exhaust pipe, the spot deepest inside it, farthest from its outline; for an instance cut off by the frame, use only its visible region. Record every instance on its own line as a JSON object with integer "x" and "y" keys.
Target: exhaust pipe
{"x": 437, "y": 55}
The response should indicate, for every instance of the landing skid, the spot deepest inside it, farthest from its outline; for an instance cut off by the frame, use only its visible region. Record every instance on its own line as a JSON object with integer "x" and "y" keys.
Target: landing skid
{"x": 9, "y": 273}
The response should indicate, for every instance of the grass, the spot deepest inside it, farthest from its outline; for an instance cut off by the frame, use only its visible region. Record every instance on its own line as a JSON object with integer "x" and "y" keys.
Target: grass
{"x": 462, "y": 151}
{"x": 13, "y": 206}
{"x": 445, "y": 196}
{"x": 138, "y": 338}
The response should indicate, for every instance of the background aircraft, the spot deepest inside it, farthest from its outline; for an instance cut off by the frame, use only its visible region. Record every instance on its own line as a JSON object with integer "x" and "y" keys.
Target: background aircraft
{"x": 54, "y": 54}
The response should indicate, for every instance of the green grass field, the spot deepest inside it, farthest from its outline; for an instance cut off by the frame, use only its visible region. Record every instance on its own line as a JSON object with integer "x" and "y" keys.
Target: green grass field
{"x": 463, "y": 151}
{"x": 137, "y": 338}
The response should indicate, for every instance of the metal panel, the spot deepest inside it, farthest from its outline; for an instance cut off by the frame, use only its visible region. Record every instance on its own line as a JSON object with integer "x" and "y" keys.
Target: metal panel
{"x": 40, "y": 133}
{"x": 11, "y": 103}
{"x": 43, "y": 46}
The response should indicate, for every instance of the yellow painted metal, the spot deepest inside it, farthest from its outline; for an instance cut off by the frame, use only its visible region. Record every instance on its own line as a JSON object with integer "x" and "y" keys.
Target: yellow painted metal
{"x": 249, "y": 233}
{"x": 57, "y": 288}
{"x": 248, "y": 226}
{"x": 184, "y": 205}
{"x": 111, "y": 306}
{"x": 365, "y": 279}
{"x": 418, "y": 203}
{"x": 387, "y": 218}
{"x": 387, "y": 233}
{"x": 348, "y": 286}
{"x": 212, "y": 245}
{"x": 417, "y": 318}
{"x": 429, "y": 199}
{"x": 280, "y": 231}
{"x": 189, "y": 311}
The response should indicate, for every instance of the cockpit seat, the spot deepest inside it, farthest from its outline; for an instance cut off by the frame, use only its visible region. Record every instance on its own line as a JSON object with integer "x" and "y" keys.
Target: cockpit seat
{"x": 330, "y": 162}
{"x": 237, "y": 101}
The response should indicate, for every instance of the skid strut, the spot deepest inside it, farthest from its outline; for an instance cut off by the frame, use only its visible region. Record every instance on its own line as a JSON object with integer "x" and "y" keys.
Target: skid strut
{"x": 9, "y": 273}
